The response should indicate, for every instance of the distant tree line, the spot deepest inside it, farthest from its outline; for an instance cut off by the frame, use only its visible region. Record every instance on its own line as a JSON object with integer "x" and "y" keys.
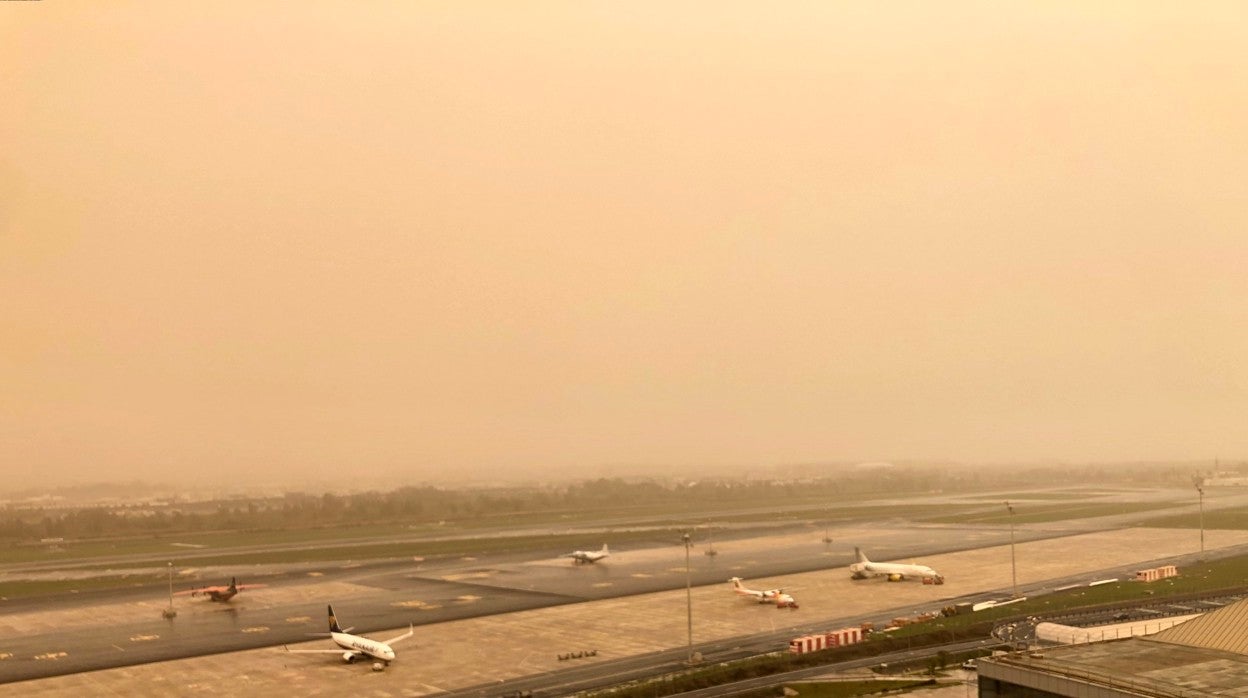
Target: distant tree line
{"x": 606, "y": 496}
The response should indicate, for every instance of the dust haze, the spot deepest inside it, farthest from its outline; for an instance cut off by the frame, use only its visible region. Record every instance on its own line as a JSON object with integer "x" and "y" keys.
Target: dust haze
{"x": 480, "y": 241}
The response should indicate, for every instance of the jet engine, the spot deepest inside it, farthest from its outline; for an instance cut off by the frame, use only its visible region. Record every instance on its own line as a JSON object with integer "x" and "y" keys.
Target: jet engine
{"x": 895, "y": 577}
{"x": 348, "y": 657}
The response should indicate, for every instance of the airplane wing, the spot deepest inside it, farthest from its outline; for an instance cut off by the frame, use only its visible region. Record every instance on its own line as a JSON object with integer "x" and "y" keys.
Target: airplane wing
{"x": 240, "y": 587}
{"x": 319, "y": 651}
{"x": 404, "y": 636}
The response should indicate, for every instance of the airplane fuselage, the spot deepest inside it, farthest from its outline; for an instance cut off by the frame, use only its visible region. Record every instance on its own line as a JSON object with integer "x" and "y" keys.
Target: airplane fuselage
{"x": 221, "y": 596}
{"x": 771, "y": 596}
{"x": 892, "y": 571}
{"x": 895, "y": 572}
{"x": 362, "y": 646}
{"x": 759, "y": 596}
{"x": 581, "y": 557}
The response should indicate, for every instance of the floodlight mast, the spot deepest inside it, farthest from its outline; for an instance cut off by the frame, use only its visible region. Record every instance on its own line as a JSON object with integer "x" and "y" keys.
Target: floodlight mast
{"x": 1200, "y": 490}
{"x": 688, "y": 598}
{"x": 1013, "y": 565}
{"x": 170, "y": 612}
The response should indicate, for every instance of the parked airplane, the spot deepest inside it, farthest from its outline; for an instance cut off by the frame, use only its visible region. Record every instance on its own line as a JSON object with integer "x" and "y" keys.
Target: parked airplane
{"x": 893, "y": 571}
{"x": 581, "y": 557}
{"x": 355, "y": 646}
{"x": 220, "y": 593}
{"x": 775, "y": 596}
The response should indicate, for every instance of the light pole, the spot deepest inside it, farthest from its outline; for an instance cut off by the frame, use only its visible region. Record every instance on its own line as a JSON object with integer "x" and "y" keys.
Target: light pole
{"x": 1200, "y": 490}
{"x": 169, "y": 612}
{"x": 689, "y": 599}
{"x": 1013, "y": 565}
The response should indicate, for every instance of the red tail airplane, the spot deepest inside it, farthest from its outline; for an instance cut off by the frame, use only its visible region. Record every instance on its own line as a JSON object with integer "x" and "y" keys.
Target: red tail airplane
{"x": 222, "y": 593}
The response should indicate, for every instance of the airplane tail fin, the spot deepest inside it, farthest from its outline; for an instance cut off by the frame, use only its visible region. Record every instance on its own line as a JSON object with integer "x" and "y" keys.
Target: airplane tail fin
{"x": 233, "y": 583}
{"x": 333, "y": 622}
{"x": 736, "y": 582}
{"x": 860, "y": 555}
{"x": 604, "y": 549}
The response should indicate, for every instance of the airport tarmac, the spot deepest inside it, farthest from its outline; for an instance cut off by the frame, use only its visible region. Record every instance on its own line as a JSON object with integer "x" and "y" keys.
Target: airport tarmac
{"x": 468, "y": 652}
{"x": 98, "y": 630}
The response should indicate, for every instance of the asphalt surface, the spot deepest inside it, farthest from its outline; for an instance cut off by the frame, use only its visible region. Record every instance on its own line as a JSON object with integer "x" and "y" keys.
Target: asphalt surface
{"x": 125, "y": 627}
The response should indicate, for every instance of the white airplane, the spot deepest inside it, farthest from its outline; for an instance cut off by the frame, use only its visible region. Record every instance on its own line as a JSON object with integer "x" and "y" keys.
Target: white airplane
{"x": 355, "y": 646}
{"x": 774, "y": 596}
{"x": 893, "y": 571}
{"x": 581, "y": 557}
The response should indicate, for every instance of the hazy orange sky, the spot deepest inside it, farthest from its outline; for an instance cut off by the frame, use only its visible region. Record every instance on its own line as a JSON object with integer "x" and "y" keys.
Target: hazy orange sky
{"x": 460, "y": 239}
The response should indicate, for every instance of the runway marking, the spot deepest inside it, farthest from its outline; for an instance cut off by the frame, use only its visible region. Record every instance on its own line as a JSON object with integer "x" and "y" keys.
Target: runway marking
{"x": 257, "y": 629}
{"x": 316, "y": 574}
{"x": 52, "y": 655}
{"x": 144, "y": 638}
{"x": 468, "y": 598}
{"x": 603, "y": 584}
{"x": 5, "y": 655}
{"x": 299, "y": 619}
{"x": 640, "y": 575}
{"x": 421, "y": 605}
{"x": 188, "y": 545}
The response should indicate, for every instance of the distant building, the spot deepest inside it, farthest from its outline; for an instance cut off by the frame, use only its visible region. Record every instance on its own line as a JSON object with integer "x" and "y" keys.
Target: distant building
{"x": 1206, "y": 656}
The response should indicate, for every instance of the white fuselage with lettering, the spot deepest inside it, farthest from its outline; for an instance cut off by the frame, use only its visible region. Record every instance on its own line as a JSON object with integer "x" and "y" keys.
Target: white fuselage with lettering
{"x": 363, "y": 645}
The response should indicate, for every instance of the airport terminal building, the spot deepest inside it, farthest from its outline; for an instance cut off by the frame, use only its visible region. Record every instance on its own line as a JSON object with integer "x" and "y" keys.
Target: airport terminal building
{"x": 1202, "y": 658}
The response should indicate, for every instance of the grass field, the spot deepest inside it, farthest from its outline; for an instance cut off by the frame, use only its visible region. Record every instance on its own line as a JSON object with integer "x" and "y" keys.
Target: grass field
{"x": 1063, "y": 494}
{"x": 353, "y": 539}
{"x": 1043, "y": 513}
{"x": 1231, "y": 519}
